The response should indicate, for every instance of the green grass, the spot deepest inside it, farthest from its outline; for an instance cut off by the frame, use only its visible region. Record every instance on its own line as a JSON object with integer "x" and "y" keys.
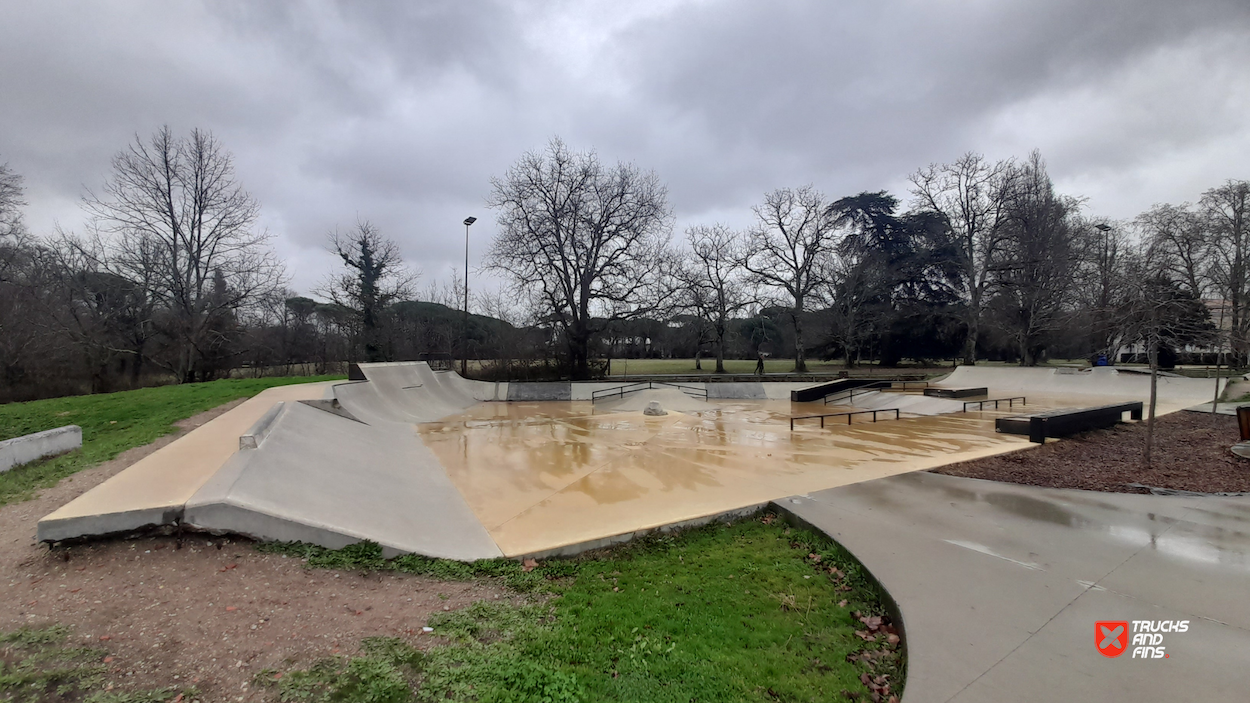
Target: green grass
{"x": 37, "y": 665}
{"x": 112, "y": 423}
{"x": 742, "y": 612}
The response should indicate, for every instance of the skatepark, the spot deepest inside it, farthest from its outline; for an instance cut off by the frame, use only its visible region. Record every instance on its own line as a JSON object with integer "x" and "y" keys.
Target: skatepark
{"x": 995, "y": 584}
{"x": 428, "y": 462}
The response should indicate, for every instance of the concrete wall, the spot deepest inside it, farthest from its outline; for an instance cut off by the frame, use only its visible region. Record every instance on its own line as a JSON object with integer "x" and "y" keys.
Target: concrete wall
{"x": 23, "y": 450}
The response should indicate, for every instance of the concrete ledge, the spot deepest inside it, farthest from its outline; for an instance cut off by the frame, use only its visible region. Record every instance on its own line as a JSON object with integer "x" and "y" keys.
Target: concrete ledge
{"x": 32, "y": 447}
{"x": 107, "y": 523}
{"x": 257, "y": 433}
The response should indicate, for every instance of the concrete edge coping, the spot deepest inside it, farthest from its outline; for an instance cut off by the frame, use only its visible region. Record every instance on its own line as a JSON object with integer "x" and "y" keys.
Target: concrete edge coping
{"x": 39, "y": 445}
{"x": 256, "y": 434}
{"x": 576, "y": 548}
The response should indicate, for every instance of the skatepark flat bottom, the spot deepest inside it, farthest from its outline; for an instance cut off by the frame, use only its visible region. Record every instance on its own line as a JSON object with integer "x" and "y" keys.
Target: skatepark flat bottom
{"x": 544, "y": 475}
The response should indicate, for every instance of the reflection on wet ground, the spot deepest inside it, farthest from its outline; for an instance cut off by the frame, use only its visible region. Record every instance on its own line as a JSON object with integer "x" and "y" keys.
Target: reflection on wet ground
{"x": 546, "y": 474}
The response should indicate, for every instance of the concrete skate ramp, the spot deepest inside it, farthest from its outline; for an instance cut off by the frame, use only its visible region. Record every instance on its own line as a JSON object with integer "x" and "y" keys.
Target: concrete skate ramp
{"x": 1074, "y": 387}
{"x": 321, "y": 478}
{"x": 411, "y": 392}
{"x": 154, "y": 489}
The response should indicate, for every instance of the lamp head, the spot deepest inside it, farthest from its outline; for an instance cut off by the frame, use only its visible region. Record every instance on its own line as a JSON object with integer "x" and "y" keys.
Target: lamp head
{"x": 469, "y": 220}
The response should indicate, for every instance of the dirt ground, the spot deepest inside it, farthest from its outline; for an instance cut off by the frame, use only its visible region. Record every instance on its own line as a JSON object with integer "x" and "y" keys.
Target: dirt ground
{"x": 1190, "y": 454}
{"x": 212, "y": 613}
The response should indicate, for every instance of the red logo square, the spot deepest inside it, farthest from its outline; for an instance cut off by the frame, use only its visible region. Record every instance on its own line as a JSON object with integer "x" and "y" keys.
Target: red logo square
{"x": 1111, "y": 637}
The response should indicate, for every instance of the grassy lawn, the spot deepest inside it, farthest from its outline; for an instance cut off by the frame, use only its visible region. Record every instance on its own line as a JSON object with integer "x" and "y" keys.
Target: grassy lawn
{"x": 112, "y": 423}
{"x": 753, "y": 611}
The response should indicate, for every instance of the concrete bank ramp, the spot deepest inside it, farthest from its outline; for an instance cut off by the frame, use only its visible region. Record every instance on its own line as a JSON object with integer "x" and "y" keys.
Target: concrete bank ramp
{"x": 1175, "y": 392}
{"x": 153, "y": 490}
{"x": 322, "y": 478}
{"x": 412, "y": 392}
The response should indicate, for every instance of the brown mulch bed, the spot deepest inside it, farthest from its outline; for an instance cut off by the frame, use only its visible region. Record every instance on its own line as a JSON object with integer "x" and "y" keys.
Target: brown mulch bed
{"x": 1190, "y": 454}
{"x": 208, "y": 611}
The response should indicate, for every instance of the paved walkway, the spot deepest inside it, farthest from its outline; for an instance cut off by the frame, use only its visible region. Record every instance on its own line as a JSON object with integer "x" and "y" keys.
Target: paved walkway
{"x": 1000, "y": 586}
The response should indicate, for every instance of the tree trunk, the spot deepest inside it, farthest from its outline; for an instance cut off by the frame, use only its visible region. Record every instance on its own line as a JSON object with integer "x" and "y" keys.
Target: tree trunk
{"x": 970, "y": 343}
{"x": 1215, "y": 401}
{"x": 579, "y": 353}
{"x": 1154, "y": 386}
{"x": 800, "y": 360}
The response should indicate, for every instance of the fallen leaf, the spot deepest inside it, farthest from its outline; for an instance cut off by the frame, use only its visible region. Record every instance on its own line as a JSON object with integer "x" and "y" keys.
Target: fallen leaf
{"x": 528, "y": 565}
{"x": 230, "y": 608}
{"x": 842, "y": 604}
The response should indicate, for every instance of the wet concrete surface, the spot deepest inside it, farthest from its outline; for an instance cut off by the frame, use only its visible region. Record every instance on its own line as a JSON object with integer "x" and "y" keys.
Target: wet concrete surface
{"x": 544, "y": 475}
{"x": 1000, "y": 585}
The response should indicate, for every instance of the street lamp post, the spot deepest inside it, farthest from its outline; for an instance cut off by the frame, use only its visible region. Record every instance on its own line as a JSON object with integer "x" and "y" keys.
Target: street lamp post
{"x": 464, "y": 336}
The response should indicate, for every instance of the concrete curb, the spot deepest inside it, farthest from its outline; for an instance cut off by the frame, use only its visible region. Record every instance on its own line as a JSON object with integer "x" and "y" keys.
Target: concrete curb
{"x": 32, "y": 447}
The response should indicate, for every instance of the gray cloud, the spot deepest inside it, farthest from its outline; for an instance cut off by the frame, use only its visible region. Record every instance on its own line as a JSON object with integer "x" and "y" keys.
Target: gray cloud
{"x": 401, "y": 112}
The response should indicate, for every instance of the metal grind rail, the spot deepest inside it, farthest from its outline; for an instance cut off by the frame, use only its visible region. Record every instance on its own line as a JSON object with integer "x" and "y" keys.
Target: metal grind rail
{"x": 847, "y": 415}
{"x": 1009, "y": 401}
{"x": 620, "y": 391}
{"x": 849, "y": 393}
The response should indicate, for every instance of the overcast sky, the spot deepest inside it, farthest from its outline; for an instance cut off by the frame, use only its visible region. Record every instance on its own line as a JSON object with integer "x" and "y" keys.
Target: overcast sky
{"x": 400, "y": 112}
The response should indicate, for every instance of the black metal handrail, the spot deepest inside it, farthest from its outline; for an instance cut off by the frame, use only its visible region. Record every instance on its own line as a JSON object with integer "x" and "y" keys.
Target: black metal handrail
{"x": 847, "y": 415}
{"x": 849, "y": 393}
{"x": 596, "y": 396}
{"x": 1009, "y": 401}
{"x": 619, "y": 390}
{"x": 688, "y": 390}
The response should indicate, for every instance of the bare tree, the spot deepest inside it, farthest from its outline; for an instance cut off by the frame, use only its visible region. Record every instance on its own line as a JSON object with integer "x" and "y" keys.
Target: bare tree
{"x": 970, "y": 195}
{"x": 1035, "y": 276}
{"x": 1163, "y": 314}
{"x": 11, "y": 202}
{"x": 1102, "y": 282}
{"x": 586, "y": 242}
{"x": 712, "y": 281}
{"x": 787, "y": 250}
{"x": 375, "y": 279}
{"x": 1226, "y": 216}
{"x": 11, "y": 227}
{"x": 173, "y": 219}
{"x": 1177, "y": 240}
